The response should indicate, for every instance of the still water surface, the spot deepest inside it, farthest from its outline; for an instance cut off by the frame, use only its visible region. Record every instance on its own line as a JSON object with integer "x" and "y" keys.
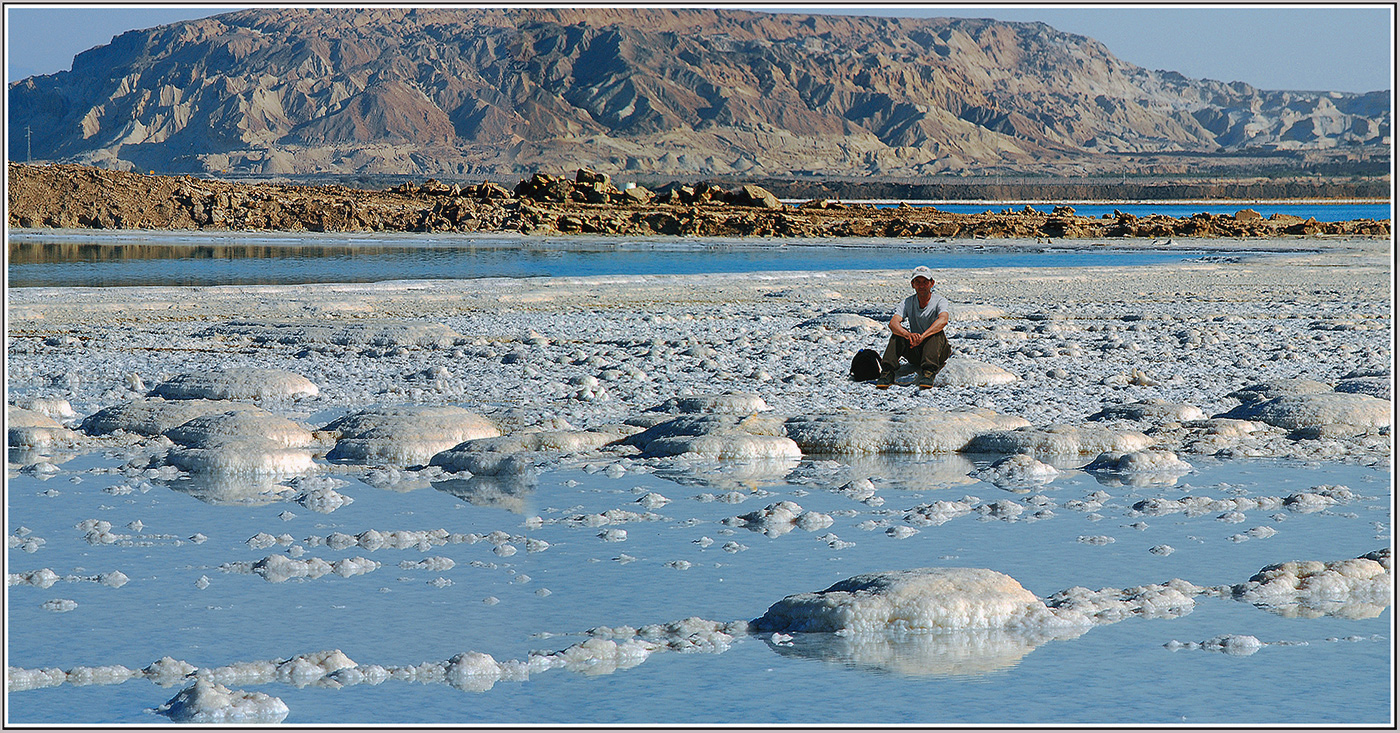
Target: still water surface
{"x": 1118, "y": 673}
{"x": 142, "y": 259}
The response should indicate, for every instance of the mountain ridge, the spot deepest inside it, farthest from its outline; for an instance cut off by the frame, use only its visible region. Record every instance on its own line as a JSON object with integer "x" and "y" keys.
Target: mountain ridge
{"x": 686, "y": 92}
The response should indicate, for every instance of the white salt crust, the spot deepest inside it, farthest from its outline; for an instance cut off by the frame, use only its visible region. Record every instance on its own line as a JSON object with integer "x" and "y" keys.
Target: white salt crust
{"x": 922, "y": 430}
{"x": 1058, "y": 439}
{"x": 1296, "y": 412}
{"x": 154, "y": 417}
{"x": 1020, "y": 470}
{"x": 236, "y": 383}
{"x": 33, "y": 429}
{"x": 208, "y": 702}
{"x": 964, "y": 372}
{"x": 1153, "y": 410}
{"x": 365, "y": 332}
{"x": 720, "y": 436}
{"x": 405, "y": 435}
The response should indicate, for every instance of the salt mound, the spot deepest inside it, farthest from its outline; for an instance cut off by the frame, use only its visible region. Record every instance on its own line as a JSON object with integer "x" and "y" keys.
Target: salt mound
{"x": 1150, "y": 410}
{"x": 961, "y": 372}
{"x": 236, "y": 384}
{"x": 844, "y": 322}
{"x": 924, "y": 430}
{"x": 209, "y": 702}
{"x": 405, "y": 435}
{"x": 1356, "y": 588}
{"x": 153, "y": 417}
{"x": 729, "y": 404}
{"x": 223, "y": 428}
{"x": 55, "y": 407}
{"x": 1295, "y": 412}
{"x": 241, "y": 442}
{"x": 1018, "y": 470}
{"x": 1278, "y": 388}
{"x": 507, "y": 454}
{"x": 716, "y": 436}
{"x": 924, "y": 599}
{"x": 778, "y": 519}
{"x": 1058, "y": 440}
{"x": 243, "y": 457}
{"x": 368, "y": 332}
{"x": 1141, "y": 468}
{"x": 32, "y": 429}
{"x": 1375, "y": 386}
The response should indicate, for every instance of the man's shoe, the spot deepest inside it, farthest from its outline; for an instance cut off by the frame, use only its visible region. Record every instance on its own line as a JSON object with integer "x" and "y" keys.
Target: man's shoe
{"x": 926, "y": 379}
{"x": 885, "y": 380}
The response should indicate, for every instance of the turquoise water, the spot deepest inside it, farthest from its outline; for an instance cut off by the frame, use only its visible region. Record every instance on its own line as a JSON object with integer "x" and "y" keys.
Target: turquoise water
{"x": 1334, "y": 672}
{"x": 142, "y": 259}
{"x": 1321, "y": 212}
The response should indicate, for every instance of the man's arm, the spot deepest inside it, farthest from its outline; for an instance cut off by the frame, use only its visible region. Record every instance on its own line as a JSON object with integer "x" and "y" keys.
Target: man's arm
{"x": 936, "y": 326}
{"x": 897, "y": 328}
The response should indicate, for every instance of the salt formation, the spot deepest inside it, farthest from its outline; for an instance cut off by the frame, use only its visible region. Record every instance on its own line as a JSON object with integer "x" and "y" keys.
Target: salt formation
{"x": 405, "y": 435}
{"x": 236, "y": 426}
{"x": 718, "y": 436}
{"x": 778, "y": 519}
{"x": 1058, "y": 440}
{"x": 1152, "y": 410}
{"x": 55, "y": 407}
{"x": 208, "y": 702}
{"x": 939, "y": 512}
{"x": 922, "y": 430}
{"x": 1376, "y": 386}
{"x": 241, "y": 442}
{"x": 1299, "y": 411}
{"x": 732, "y": 403}
{"x": 853, "y": 322}
{"x": 925, "y": 599}
{"x": 357, "y": 333}
{"x": 280, "y": 568}
{"x": 1018, "y": 471}
{"x": 236, "y": 383}
{"x": 153, "y": 417}
{"x": 1358, "y": 588}
{"x": 964, "y": 372}
{"x": 509, "y": 454}
{"x": 1315, "y": 499}
{"x": 1274, "y": 388}
{"x": 1235, "y": 645}
{"x": 1140, "y": 468}
{"x": 31, "y": 429}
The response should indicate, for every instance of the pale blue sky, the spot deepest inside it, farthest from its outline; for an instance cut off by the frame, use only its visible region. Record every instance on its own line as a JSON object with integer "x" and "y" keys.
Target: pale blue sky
{"x": 1333, "y": 48}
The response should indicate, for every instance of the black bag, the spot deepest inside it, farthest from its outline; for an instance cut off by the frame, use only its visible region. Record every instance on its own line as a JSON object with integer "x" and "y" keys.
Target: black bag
{"x": 865, "y": 366}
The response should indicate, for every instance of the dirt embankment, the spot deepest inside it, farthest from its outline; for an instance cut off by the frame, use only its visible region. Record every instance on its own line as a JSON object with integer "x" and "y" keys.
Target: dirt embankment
{"x": 67, "y": 196}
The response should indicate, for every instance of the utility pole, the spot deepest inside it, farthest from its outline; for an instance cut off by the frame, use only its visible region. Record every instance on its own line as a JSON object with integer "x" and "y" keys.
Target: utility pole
{"x": 28, "y": 145}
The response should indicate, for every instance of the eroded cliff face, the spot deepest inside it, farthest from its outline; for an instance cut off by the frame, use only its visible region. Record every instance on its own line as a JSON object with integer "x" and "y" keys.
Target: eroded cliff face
{"x": 485, "y": 92}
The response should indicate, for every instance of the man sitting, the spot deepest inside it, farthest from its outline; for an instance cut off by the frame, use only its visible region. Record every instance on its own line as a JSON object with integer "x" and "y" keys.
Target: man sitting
{"x": 923, "y": 342}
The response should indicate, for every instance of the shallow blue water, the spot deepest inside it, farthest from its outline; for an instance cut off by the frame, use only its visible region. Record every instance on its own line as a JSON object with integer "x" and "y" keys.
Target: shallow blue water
{"x": 140, "y": 259}
{"x": 1319, "y": 211}
{"x": 1114, "y": 674}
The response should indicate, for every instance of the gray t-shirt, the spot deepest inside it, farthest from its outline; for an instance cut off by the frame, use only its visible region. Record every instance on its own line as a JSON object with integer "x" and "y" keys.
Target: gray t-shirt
{"x": 919, "y": 319}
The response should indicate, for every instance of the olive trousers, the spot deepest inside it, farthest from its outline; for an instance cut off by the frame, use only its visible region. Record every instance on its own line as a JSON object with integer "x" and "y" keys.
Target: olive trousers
{"x": 929, "y": 355}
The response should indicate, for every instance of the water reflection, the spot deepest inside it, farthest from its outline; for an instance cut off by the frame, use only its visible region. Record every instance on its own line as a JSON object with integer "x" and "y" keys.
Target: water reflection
{"x": 961, "y": 653}
{"x": 511, "y": 493}
{"x": 108, "y": 259}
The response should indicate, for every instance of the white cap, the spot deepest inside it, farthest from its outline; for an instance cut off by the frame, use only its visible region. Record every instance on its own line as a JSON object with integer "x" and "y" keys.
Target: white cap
{"x": 922, "y": 271}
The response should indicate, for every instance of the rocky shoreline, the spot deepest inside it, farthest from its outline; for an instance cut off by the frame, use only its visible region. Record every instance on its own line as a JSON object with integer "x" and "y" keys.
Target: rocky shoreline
{"x": 70, "y": 196}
